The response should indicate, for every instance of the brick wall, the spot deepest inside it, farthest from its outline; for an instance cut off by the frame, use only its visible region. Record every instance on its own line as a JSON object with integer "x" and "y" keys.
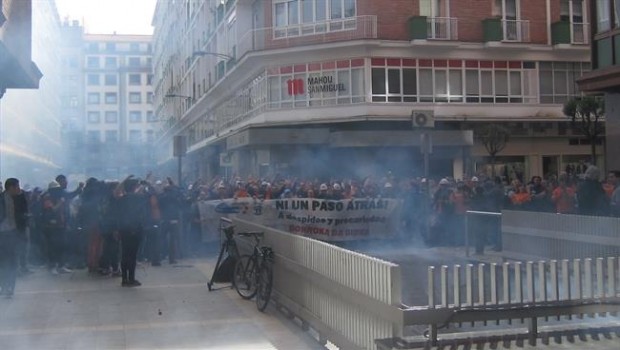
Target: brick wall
{"x": 392, "y": 18}
{"x": 391, "y": 15}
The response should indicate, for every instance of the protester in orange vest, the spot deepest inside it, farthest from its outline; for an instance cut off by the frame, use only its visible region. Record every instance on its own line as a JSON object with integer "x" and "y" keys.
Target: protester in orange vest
{"x": 564, "y": 196}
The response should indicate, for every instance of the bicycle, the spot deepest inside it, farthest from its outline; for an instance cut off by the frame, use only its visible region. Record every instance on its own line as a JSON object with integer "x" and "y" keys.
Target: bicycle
{"x": 224, "y": 268}
{"x": 253, "y": 274}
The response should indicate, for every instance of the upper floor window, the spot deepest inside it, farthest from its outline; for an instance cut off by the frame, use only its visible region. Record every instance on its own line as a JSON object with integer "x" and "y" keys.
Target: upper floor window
{"x": 110, "y": 47}
{"x": 93, "y": 79}
{"x": 94, "y": 47}
{"x": 135, "y": 116}
{"x": 150, "y": 116}
{"x": 94, "y": 117}
{"x": 111, "y": 136}
{"x": 456, "y": 81}
{"x": 507, "y": 9}
{"x": 135, "y": 79}
{"x": 603, "y": 15}
{"x": 572, "y": 11}
{"x": 149, "y": 97}
{"x": 617, "y": 12}
{"x": 306, "y": 17}
{"x": 93, "y": 98}
{"x": 135, "y": 97}
{"x": 110, "y": 62}
{"x": 558, "y": 80}
{"x": 111, "y": 116}
{"x": 92, "y": 62}
{"x": 134, "y": 47}
{"x": 110, "y": 79}
{"x": 435, "y": 8}
{"x": 134, "y": 61}
{"x": 111, "y": 98}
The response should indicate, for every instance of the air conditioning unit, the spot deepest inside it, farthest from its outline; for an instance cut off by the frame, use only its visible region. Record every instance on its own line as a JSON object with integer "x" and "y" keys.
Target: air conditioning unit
{"x": 423, "y": 119}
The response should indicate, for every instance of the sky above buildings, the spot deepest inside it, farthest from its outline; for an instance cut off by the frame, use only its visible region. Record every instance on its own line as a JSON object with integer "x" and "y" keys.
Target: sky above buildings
{"x": 109, "y": 16}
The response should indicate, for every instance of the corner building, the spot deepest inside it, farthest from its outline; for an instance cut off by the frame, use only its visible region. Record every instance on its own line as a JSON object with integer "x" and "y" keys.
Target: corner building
{"x": 347, "y": 87}
{"x": 604, "y": 79}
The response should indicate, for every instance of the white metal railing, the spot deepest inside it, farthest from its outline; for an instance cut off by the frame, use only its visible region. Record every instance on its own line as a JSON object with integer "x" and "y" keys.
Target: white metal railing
{"x": 351, "y": 299}
{"x": 354, "y": 300}
{"x": 516, "y": 30}
{"x": 529, "y": 235}
{"x": 442, "y": 28}
{"x": 519, "y": 290}
{"x": 580, "y": 33}
{"x": 351, "y": 28}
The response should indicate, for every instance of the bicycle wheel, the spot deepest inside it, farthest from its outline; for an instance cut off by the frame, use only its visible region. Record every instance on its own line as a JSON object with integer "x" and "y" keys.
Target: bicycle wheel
{"x": 244, "y": 277}
{"x": 265, "y": 284}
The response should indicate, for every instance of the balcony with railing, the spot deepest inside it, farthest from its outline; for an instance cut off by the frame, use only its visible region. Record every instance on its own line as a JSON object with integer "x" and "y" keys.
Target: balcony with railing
{"x": 564, "y": 32}
{"x": 433, "y": 28}
{"x": 516, "y": 30}
{"x": 506, "y": 30}
{"x": 442, "y": 28}
{"x": 321, "y": 32}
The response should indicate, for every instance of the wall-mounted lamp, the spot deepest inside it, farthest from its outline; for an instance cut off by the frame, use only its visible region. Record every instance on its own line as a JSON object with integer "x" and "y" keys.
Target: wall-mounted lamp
{"x": 189, "y": 98}
{"x": 206, "y": 53}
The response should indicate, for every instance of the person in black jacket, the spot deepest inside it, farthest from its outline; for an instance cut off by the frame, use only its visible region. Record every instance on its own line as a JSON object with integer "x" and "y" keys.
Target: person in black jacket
{"x": 12, "y": 214}
{"x": 131, "y": 214}
{"x": 591, "y": 198}
{"x": 170, "y": 203}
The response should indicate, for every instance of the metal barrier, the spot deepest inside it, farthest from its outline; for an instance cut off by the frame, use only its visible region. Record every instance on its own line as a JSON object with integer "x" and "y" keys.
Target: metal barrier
{"x": 354, "y": 301}
{"x": 534, "y": 236}
{"x": 349, "y": 298}
{"x": 523, "y": 291}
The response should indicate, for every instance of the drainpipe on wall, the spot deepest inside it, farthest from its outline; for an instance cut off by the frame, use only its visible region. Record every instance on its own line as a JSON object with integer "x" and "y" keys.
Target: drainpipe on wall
{"x": 549, "y": 39}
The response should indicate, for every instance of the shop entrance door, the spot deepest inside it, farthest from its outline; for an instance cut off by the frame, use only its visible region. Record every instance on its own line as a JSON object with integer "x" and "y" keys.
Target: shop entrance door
{"x": 551, "y": 165}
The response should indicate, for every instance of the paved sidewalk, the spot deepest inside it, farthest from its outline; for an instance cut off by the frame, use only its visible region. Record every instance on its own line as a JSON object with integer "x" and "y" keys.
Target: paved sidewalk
{"x": 172, "y": 310}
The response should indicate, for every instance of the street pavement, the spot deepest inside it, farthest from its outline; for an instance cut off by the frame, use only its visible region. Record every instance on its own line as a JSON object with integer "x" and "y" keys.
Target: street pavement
{"x": 171, "y": 310}
{"x": 174, "y": 310}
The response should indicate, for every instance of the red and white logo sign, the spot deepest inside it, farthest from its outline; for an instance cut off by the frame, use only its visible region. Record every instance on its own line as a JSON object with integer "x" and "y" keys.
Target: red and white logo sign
{"x": 295, "y": 86}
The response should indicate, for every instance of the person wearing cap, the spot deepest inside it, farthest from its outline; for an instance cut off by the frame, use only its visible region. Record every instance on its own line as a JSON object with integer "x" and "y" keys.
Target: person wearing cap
{"x": 388, "y": 190}
{"x": 11, "y": 213}
{"x": 337, "y": 193}
{"x": 323, "y": 193}
{"x": 54, "y": 224}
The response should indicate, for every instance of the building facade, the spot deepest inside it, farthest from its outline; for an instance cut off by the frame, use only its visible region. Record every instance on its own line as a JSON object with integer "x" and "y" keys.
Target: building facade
{"x": 109, "y": 98}
{"x": 30, "y": 130}
{"x": 605, "y": 75}
{"x": 17, "y": 71}
{"x": 348, "y": 87}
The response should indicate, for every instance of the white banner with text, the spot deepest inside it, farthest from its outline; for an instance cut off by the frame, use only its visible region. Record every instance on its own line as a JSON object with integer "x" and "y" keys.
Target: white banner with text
{"x": 328, "y": 220}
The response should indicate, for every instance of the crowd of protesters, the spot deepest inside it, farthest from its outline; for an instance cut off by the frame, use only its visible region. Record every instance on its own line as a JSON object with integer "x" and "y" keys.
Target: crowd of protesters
{"x": 103, "y": 226}
{"x": 107, "y": 226}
